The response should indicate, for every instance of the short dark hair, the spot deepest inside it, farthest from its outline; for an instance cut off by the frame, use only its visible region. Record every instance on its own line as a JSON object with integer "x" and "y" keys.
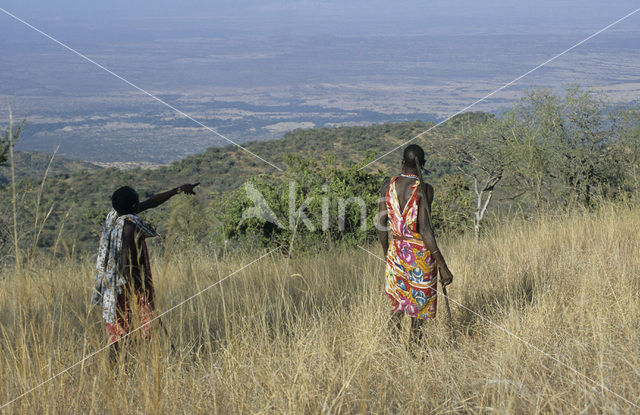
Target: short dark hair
{"x": 412, "y": 153}
{"x": 124, "y": 200}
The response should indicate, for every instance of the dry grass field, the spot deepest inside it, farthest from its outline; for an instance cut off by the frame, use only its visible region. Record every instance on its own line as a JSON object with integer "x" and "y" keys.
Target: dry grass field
{"x": 309, "y": 335}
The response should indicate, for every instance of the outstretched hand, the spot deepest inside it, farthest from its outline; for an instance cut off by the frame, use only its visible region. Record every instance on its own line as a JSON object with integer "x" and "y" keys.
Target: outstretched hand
{"x": 188, "y": 188}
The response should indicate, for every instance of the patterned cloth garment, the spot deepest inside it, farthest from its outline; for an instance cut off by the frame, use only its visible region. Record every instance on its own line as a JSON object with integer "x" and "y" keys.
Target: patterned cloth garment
{"x": 411, "y": 273}
{"x": 139, "y": 307}
{"x": 108, "y": 282}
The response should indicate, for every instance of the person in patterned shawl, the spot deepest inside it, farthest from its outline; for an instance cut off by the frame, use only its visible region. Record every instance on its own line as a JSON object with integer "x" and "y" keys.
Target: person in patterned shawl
{"x": 412, "y": 257}
{"x": 123, "y": 283}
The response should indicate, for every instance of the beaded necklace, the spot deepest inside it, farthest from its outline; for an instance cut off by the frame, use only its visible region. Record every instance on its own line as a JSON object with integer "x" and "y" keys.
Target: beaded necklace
{"x": 409, "y": 176}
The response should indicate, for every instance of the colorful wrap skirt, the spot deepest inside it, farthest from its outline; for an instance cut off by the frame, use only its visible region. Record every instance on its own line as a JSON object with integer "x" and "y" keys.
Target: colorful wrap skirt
{"x": 411, "y": 278}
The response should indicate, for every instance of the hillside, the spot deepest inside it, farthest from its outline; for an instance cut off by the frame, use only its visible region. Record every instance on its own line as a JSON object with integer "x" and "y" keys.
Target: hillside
{"x": 80, "y": 191}
{"x": 546, "y": 314}
{"x": 31, "y": 165}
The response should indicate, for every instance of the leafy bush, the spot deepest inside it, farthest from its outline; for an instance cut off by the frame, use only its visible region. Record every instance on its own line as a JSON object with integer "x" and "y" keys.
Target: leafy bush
{"x": 311, "y": 204}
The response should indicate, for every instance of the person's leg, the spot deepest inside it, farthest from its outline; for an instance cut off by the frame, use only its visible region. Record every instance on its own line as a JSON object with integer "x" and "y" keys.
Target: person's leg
{"x": 417, "y": 331}
{"x": 146, "y": 315}
{"x": 118, "y": 328}
{"x": 114, "y": 333}
{"x": 395, "y": 321}
{"x": 114, "y": 352}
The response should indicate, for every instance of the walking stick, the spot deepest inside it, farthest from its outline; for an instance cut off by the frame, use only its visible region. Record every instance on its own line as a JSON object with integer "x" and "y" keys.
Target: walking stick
{"x": 444, "y": 288}
{"x": 449, "y": 318}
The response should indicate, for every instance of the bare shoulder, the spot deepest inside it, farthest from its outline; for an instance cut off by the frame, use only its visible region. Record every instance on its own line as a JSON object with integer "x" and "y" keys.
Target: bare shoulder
{"x": 385, "y": 187}
{"x": 128, "y": 223}
{"x": 428, "y": 190}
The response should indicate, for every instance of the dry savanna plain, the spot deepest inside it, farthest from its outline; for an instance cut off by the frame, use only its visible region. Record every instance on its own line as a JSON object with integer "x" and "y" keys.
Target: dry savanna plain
{"x": 556, "y": 331}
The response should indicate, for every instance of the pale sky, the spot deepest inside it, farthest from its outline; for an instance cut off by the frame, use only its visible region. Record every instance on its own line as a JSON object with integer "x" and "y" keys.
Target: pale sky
{"x": 333, "y": 16}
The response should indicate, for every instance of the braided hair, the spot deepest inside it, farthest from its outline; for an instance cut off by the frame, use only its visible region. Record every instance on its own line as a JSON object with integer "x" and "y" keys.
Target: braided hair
{"x": 414, "y": 157}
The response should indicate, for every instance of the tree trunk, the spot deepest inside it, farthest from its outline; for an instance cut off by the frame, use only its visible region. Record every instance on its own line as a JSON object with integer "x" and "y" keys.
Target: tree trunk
{"x": 481, "y": 208}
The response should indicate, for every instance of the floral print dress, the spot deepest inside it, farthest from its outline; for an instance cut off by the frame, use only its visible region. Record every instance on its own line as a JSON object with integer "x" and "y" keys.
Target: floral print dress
{"x": 411, "y": 273}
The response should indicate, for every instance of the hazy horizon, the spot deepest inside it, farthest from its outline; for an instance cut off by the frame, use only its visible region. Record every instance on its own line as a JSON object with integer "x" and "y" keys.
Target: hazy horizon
{"x": 277, "y": 17}
{"x": 254, "y": 70}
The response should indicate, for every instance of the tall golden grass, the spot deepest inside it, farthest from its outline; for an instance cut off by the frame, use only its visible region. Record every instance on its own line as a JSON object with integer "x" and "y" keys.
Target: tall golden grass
{"x": 311, "y": 335}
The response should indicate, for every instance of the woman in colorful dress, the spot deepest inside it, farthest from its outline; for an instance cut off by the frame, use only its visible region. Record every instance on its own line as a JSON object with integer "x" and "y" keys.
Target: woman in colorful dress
{"x": 412, "y": 258}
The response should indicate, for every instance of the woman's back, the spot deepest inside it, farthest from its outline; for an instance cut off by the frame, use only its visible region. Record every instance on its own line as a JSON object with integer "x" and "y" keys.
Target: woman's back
{"x": 412, "y": 254}
{"x": 410, "y": 271}
{"x": 405, "y": 189}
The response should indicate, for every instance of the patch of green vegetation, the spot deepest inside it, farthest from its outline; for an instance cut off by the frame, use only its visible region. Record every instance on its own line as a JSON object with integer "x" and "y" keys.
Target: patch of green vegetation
{"x": 79, "y": 192}
{"x": 32, "y": 164}
{"x": 548, "y": 152}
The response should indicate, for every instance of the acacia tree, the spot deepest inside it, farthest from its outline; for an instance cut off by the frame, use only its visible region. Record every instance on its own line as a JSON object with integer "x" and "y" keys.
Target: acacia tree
{"x": 629, "y": 147}
{"x": 562, "y": 147}
{"x": 529, "y": 145}
{"x": 590, "y": 166}
{"x": 478, "y": 152}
